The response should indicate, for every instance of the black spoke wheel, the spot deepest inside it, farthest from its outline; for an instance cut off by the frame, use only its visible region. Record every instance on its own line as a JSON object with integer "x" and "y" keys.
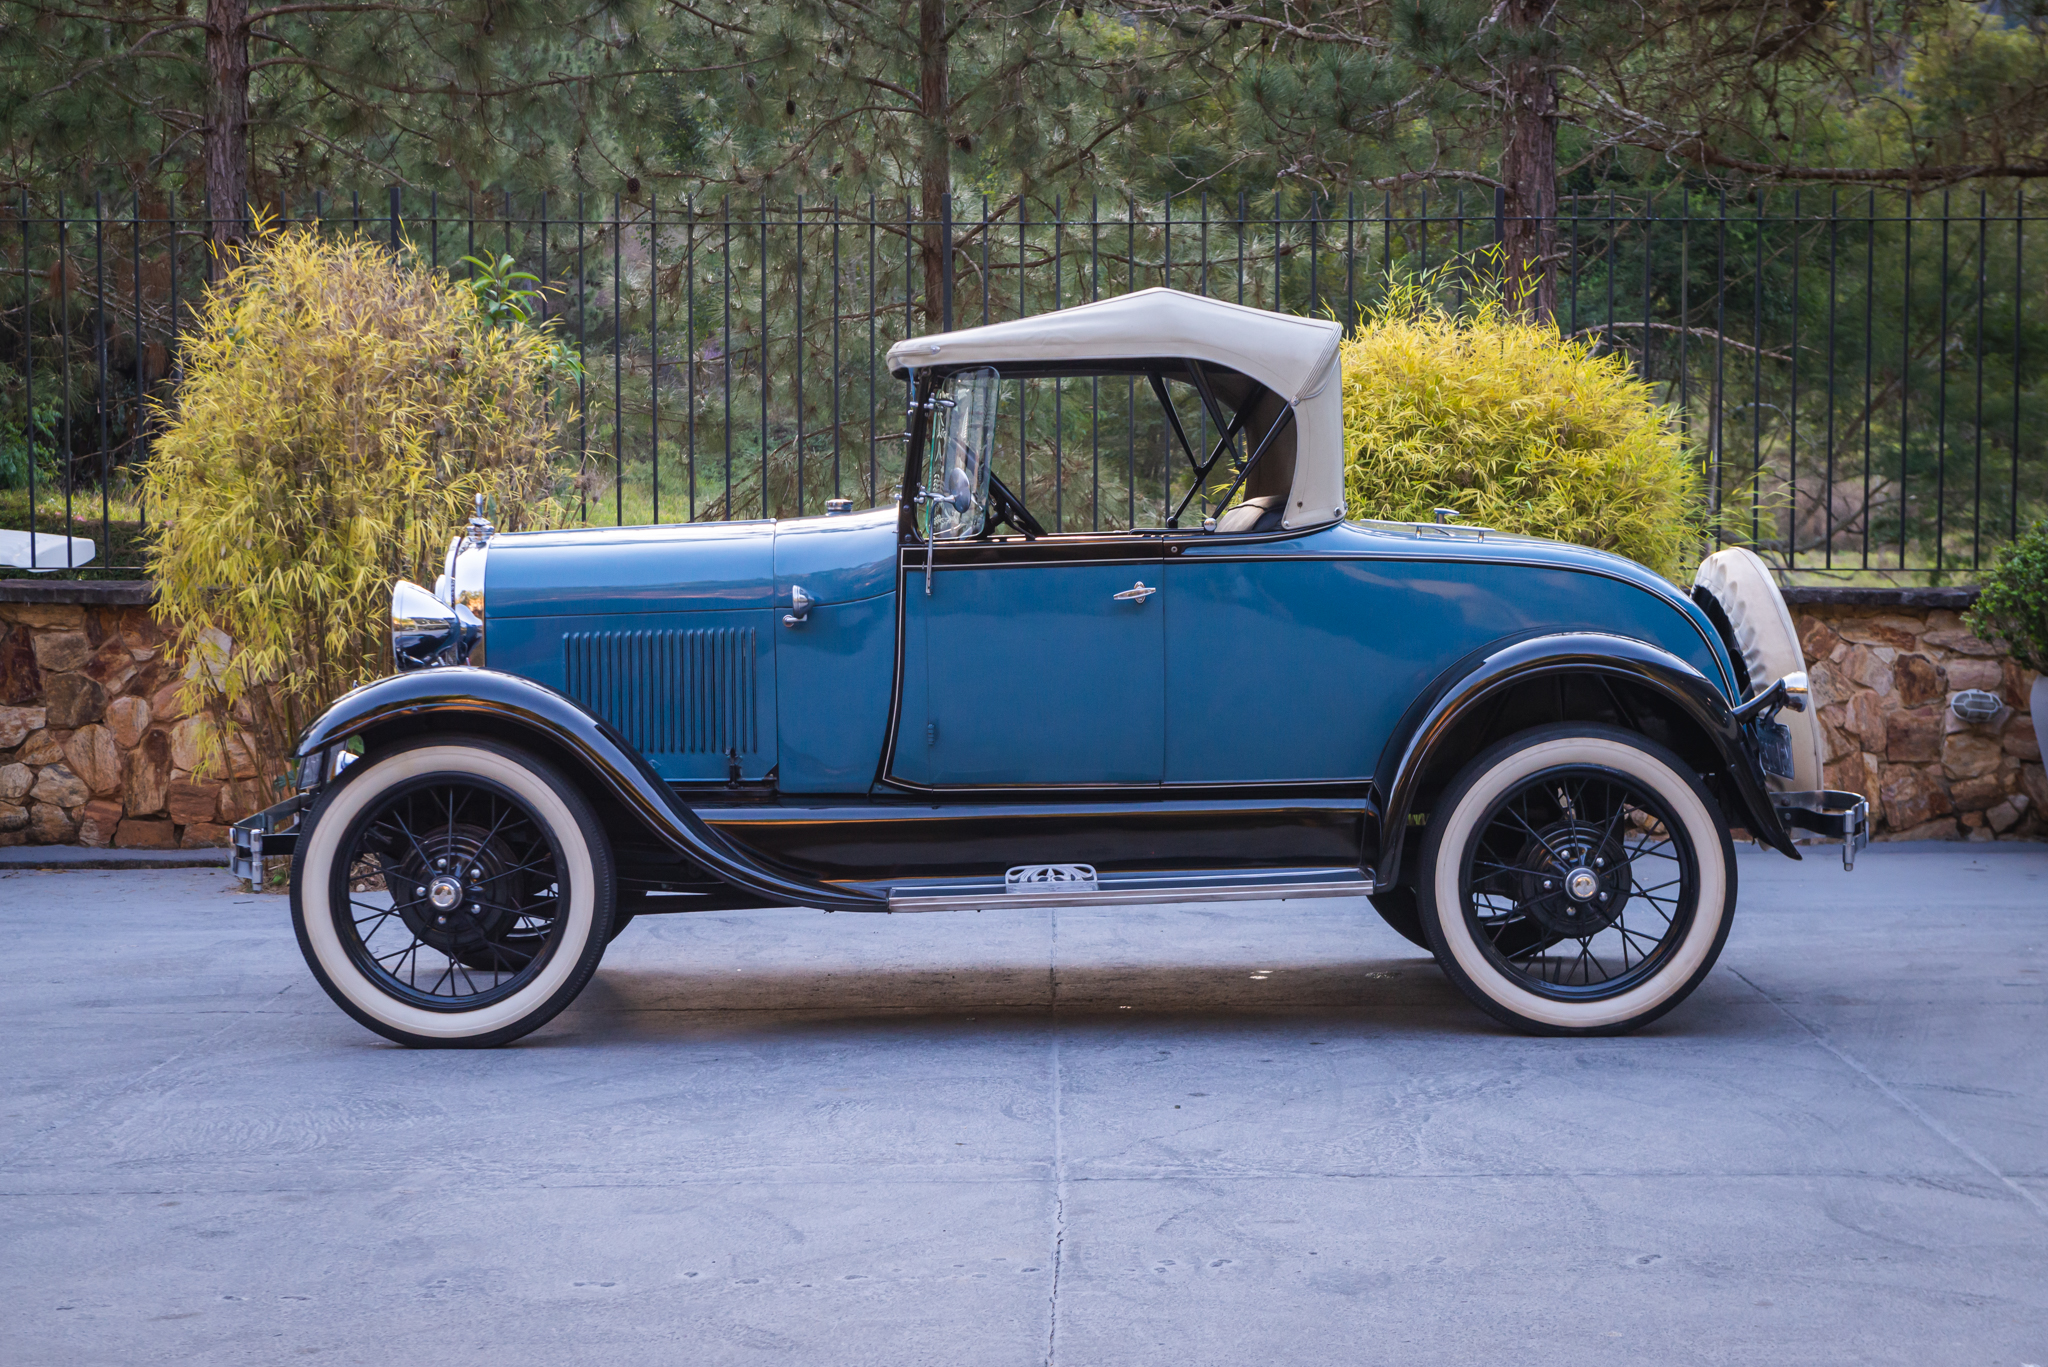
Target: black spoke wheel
{"x": 452, "y": 893}
{"x": 1576, "y": 879}
{"x": 449, "y": 893}
{"x": 1579, "y": 883}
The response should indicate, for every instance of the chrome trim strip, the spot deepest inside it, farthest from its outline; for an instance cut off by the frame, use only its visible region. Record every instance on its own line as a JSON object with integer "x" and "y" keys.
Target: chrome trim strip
{"x": 1340, "y": 788}
{"x": 1139, "y": 890}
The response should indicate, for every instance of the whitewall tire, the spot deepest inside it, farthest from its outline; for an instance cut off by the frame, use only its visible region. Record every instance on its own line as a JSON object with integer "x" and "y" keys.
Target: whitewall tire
{"x": 452, "y": 893}
{"x": 1576, "y": 880}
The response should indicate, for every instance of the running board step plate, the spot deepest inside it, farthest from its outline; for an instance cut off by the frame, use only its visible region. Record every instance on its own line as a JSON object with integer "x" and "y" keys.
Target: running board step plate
{"x": 1115, "y": 889}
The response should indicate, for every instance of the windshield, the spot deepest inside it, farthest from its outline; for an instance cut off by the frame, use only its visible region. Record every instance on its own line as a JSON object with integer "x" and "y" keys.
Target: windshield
{"x": 963, "y": 443}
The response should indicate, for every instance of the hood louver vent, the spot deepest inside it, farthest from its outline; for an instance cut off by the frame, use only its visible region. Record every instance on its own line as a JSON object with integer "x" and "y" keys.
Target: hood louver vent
{"x": 669, "y": 692}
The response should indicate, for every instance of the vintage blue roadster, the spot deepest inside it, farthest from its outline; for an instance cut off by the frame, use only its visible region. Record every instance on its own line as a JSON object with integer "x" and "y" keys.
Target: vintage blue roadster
{"x": 1528, "y": 755}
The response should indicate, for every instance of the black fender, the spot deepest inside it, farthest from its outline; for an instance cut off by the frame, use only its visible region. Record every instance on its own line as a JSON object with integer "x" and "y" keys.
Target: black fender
{"x": 1482, "y": 677}
{"x": 461, "y": 698}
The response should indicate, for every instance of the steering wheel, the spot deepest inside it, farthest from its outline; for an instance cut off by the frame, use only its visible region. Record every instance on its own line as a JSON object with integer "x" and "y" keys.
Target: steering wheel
{"x": 1006, "y": 507}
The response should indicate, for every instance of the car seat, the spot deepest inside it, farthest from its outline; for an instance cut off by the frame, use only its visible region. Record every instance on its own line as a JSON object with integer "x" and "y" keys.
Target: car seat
{"x": 1261, "y": 514}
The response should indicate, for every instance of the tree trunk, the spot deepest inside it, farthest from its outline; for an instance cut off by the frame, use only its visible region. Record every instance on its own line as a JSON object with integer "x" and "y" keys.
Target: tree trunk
{"x": 935, "y": 163}
{"x": 226, "y": 145}
{"x": 1528, "y": 165}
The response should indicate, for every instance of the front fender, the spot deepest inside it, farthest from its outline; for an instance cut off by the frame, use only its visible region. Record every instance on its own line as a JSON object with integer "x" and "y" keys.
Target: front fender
{"x": 505, "y": 706}
{"x": 1482, "y": 678}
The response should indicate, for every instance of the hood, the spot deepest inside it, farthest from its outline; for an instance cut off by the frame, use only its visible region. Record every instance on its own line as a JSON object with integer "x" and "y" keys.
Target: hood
{"x": 691, "y": 567}
{"x": 595, "y": 570}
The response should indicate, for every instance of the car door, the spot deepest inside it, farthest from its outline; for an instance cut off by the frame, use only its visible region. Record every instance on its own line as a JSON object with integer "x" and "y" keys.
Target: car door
{"x": 1033, "y": 664}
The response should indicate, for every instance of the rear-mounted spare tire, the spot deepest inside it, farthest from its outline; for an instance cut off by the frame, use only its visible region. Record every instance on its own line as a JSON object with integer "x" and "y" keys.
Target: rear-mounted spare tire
{"x": 1757, "y": 628}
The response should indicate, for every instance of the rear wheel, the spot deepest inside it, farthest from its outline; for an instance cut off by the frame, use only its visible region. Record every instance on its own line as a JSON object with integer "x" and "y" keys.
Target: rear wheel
{"x": 1577, "y": 880}
{"x": 452, "y": 893}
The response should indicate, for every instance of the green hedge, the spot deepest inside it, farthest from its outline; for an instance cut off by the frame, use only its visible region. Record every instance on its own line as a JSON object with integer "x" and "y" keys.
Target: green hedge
{"x": 2012, "y": 605}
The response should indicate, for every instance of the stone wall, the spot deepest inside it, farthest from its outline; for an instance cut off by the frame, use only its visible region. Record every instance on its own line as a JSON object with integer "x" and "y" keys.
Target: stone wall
{"x": 1885, "y": 665}
{"x": 94, "y": 749}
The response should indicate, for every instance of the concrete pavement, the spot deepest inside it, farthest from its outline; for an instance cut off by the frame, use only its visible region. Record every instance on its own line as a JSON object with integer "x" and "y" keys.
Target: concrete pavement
{"x": 1247, "y": 1133}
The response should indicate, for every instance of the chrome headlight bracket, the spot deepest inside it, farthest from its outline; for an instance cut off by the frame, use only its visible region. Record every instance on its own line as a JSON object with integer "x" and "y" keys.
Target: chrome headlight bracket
{"x": 460, "y": 589}
{"x": 466, "y": 596}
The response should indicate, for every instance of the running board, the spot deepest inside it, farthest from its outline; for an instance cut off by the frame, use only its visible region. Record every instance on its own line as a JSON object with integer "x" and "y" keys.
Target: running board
{"x": 1115, "y": 889}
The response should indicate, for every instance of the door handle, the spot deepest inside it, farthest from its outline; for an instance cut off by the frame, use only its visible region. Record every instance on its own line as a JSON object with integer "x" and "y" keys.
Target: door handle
{"x": 1137, "y": 593}
{"x": 803, "y": 603}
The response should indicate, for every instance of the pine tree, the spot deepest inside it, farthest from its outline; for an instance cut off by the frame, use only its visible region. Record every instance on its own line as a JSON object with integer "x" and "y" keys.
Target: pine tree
{"x": 1519, "y": 94}
{"x": 1024, "y": 98}
{"x": 296, "y": 94}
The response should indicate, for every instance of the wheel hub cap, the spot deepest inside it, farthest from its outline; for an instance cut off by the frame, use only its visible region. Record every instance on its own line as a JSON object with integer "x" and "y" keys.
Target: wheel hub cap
{"x": 446, "y": 895}
{"x": 1576, "y": 878}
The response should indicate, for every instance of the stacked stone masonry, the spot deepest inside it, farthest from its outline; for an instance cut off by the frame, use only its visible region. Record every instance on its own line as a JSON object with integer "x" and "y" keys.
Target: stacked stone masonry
{"x": 94, "y": 746}
{"x": 96, "y": 750}
{"x": 1884, "y": 680}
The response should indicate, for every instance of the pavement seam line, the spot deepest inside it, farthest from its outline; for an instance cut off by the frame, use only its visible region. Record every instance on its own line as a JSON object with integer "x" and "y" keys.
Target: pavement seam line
{"x": 1059, "y": 1149}
{"x": 1901, "y": 1100}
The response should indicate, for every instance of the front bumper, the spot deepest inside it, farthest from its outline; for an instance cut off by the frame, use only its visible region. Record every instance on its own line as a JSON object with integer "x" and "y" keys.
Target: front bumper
{"x": 1831, "y": 814}
{"x": 271, "y": 831}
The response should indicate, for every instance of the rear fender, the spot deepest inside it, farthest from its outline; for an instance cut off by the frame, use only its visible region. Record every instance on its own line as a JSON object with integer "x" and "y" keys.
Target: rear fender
{"x": 1425, "y": 745}
{"x": 461, "y": 699}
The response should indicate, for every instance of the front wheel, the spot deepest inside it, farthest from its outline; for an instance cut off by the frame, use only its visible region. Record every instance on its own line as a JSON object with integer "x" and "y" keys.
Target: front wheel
{"x": 452, "y": 893}
{"x": 1577, "y": 880}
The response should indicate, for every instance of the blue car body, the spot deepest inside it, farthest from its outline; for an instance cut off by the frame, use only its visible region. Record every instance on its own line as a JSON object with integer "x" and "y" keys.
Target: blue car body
{"x": 1021, "y": 671}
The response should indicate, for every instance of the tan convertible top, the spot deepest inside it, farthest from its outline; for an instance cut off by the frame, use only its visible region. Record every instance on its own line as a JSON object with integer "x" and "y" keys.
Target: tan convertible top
{"x": 1294, "y": 357}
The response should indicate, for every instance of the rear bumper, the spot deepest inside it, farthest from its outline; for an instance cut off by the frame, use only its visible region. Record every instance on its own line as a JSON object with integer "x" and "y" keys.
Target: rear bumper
{"x": 270, "y": 832}
{"x": 1830, "y": 814}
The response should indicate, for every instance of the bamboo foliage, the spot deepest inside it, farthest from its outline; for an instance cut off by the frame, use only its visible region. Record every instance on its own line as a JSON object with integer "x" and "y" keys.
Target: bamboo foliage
{"x": 340, "y": 408}
{"x": 1477, "y": 409}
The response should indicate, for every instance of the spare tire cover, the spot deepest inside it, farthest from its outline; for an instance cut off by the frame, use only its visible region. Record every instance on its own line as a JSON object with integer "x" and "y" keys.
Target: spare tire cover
{"x": 1742, "y": 584}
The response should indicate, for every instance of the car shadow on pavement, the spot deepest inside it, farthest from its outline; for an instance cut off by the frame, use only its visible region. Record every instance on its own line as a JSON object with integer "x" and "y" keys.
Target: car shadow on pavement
{"x": 644, "y": 1000}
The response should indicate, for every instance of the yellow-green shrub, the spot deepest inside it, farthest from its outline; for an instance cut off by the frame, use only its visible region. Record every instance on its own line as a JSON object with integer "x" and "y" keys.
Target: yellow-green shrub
{"x": 340, "y": 409}
{"x": 1514, "y": 427}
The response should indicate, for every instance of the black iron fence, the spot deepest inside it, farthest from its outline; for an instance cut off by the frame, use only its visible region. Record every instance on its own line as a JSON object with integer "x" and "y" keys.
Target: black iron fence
{"x": 1861, "y": 375}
